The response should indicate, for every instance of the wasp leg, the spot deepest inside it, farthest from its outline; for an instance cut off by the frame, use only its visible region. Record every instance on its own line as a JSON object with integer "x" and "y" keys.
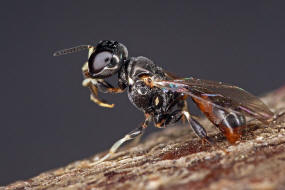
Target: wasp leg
{"x": 200, "y": 131}
{"x": 131, "y": 135}
{"x": 197, "y": 128}
{"x": 105, "y": 87}
{"x": 98, "y": 84}
{"x": 185, "y": 109}
{"x": 94, "y": 94}
{"x": 182, "y": 105}
{"x": 84, "y": 69}
{"x": 162, "y": 120}
{"x": 137, "y": 140}
{"x": 102, "y": 85}
{"x": 91, "y": 84}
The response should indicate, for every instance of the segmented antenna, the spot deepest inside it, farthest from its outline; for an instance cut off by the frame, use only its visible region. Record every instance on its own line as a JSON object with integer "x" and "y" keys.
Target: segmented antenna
{"x": 71, "y": 50}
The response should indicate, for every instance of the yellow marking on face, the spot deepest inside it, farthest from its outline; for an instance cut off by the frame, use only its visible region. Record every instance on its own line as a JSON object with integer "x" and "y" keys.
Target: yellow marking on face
{"x": 85, "y": 70}
{"x": 85, "y": 67}
{"x": 91, "y": 50}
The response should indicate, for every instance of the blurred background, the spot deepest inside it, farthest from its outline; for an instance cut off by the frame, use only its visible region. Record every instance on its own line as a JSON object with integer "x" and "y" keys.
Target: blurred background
{"x": 47, "y": 119}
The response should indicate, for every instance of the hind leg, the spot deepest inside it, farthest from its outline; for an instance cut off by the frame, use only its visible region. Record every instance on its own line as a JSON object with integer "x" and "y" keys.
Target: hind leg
{"x": 184, "y": 107}
{"x": 163, "y": 120}
{"x": 197, "y": 128}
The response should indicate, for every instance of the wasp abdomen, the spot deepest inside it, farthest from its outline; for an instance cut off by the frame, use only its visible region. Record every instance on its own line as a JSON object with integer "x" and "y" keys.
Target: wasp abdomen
{"x": 231, "y": 125}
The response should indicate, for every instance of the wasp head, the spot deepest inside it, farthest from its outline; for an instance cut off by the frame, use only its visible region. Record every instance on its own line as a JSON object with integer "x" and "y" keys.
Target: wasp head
{"x": 106, "y": 59}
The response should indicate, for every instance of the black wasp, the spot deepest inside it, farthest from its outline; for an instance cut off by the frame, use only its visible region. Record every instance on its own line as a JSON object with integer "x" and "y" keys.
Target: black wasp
{"x": 162, "y": 96}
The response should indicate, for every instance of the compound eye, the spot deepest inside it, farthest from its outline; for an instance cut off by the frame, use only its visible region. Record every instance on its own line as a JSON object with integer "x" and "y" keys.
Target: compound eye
{"x": 101, "y": 60}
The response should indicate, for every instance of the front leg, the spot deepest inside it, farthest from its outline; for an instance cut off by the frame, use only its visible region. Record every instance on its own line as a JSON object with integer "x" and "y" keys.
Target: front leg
{"x": 98, "y": 84}
{"x": 105, "y": 87}
{"x": 94, "y": 94}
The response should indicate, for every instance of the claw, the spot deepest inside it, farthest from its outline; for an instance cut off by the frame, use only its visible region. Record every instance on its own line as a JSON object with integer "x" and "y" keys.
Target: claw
{"x": 101, "y": 160}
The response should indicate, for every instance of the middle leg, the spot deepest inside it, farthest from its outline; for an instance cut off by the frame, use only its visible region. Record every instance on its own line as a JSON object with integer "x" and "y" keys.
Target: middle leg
{"x": 162, "y": 120}
{"x": 131, "y": 135}
{"x": 197, "y": 127}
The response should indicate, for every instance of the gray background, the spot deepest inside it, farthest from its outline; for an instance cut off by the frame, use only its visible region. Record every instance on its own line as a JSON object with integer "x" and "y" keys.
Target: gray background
{"x": 47, "y": 119}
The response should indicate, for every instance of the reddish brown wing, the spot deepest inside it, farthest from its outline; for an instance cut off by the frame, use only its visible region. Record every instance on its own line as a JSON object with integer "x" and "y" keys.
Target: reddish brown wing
{"x": 221, "y": 95}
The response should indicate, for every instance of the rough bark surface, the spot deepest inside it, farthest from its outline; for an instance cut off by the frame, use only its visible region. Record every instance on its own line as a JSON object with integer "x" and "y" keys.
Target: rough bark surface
{"x": 176, "y": 159}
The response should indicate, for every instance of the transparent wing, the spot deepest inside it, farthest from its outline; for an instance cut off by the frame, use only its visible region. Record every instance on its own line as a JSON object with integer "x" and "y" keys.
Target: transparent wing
{"x": 221, "y": 95}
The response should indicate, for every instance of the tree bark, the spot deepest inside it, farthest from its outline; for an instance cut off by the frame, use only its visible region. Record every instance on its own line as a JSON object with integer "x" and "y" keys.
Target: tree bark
{"x": 176, "y": 159}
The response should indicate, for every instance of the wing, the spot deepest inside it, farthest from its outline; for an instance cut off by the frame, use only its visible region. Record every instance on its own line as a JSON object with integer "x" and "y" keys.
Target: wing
{"x": 220, "y": 95}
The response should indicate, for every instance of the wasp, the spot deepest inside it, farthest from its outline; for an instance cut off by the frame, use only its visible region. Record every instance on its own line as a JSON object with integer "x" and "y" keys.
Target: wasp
{"x": 162, "y": 97}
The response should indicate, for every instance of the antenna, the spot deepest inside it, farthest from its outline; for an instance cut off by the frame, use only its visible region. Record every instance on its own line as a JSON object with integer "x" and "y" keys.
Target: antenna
{"x": 71, "y": 50}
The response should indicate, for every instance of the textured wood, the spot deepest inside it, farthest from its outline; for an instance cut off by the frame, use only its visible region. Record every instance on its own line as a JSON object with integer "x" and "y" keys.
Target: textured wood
{"x": 176, "y": 159}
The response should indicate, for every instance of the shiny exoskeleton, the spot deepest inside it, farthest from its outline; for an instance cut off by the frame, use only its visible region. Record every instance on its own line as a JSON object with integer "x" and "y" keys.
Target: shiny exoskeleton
{"x": 162, "y": 96}
{"x": 164, "y": 107}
